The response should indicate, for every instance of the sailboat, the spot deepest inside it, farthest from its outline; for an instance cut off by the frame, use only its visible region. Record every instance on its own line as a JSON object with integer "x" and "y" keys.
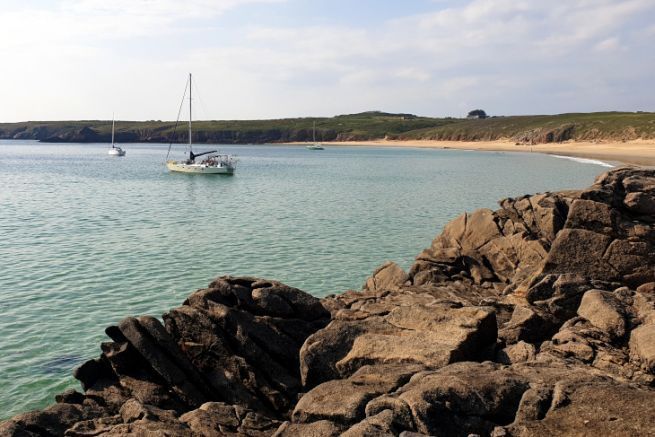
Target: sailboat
{"x": 115, "y": 150}
{"x": 213, "y": 163}
{"x": 314, "y": 145}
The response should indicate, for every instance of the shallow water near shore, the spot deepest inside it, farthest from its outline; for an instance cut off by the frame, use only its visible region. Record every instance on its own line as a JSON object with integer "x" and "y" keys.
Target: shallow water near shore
{"x": 86, "y": 239}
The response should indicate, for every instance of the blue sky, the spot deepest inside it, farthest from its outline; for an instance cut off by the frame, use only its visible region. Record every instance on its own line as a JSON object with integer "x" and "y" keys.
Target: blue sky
{"x": 84, "y": 59}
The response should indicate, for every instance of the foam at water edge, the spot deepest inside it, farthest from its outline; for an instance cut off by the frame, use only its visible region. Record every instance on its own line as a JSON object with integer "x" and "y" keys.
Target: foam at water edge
{"x": 585, "y": 160}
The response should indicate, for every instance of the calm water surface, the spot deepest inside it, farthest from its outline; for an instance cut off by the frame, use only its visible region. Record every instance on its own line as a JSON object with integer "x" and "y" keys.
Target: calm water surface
{"x": 86, "y": 239}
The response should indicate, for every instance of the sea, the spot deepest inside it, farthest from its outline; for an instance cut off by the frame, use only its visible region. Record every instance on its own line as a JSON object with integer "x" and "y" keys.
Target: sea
{"x": 87, "y": 239}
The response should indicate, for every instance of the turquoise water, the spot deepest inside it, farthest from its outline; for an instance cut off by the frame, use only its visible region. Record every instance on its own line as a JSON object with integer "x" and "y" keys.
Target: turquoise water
{"x": 86, "y": 239}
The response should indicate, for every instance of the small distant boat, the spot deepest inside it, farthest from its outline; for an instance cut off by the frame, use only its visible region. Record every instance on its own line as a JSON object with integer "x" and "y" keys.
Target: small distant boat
{"x": 213, "y": 163}
{"x": 314, "y": 145}
{"x": 115, "y": 150}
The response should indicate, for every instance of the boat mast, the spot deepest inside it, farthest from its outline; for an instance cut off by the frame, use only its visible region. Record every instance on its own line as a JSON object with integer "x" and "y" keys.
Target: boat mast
{"x": 189, "y": 112}
{"x": 112, "y": 130}
{"x": 314, "y": 132}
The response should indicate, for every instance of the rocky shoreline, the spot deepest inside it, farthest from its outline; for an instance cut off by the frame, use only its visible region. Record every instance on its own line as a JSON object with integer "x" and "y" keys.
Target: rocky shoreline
{"x": 534, "y": 319}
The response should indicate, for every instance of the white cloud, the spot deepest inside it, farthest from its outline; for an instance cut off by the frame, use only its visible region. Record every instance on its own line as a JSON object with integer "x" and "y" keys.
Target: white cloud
{"x": 72, "y": 21}
{"x": 608, "y": 45}
{"x": 511, "y": 55}
{"x": 412, "y": 73}
{"x": 168, "y": 10}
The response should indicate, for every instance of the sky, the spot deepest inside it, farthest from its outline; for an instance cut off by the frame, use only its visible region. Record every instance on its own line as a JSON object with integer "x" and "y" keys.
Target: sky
{"x": 254, "y": 59}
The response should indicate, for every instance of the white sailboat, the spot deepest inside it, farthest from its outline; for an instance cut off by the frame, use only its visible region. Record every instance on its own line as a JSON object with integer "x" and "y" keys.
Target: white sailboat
{"x": 314, "y": 145}
{"x": 213, "y": 163}
{"x": 115, "y": 150}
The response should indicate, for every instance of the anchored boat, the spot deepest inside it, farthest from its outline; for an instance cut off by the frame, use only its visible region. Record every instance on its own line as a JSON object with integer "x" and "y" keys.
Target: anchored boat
{"x": 314, "y": 145}
{"x": 115, "y": 150}
{"x": 212, "y": 163}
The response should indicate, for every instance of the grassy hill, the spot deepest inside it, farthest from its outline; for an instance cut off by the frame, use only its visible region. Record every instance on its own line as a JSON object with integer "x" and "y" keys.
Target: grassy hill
{"x": 535, "y": 129}
{"x": 363, "y": 126}
{"x": 611, "y": 126}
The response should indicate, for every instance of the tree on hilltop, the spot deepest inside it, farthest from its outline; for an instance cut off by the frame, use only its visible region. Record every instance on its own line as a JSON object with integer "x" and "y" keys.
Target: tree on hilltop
{"x": 477, "y": 113}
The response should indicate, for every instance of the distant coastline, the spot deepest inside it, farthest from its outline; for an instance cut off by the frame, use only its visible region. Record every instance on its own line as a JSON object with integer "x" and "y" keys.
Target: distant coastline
{"x": 604, "y": 127}
{"x": 626, "y": 137}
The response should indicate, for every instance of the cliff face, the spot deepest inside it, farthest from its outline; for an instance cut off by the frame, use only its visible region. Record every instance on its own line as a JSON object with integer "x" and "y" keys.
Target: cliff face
{"x": 89, "y": 134}
{"x": 534, "y": 319}
{"x": 609, "y": 126}
{"x": 362, "y": 126}
{"x": 539, "y": 129}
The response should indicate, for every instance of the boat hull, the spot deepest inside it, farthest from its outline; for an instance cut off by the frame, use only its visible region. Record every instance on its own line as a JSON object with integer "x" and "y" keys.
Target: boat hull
{"x": 116, "y": 152}
{"x": 181, "y": 167}
{"x": 314, "y": 147}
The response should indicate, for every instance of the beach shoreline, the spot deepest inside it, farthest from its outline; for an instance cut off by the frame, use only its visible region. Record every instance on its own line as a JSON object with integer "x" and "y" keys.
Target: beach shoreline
{"x": 637, "y": 152}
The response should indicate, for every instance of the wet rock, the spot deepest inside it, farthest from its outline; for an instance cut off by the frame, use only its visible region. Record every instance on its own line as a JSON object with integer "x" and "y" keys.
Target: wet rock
{"x": 70, "y": 397}
{"x": 92, "y": 371}
{"x": 53, "y": 420}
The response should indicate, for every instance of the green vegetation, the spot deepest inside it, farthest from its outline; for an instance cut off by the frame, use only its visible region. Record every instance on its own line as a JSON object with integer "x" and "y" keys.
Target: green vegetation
{"x": 617, "y": 126}
{"x": 364, "y": 126}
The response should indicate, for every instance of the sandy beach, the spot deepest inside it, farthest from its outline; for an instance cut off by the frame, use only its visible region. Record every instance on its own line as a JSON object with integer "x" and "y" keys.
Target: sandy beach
{"x": 639, "y": 152}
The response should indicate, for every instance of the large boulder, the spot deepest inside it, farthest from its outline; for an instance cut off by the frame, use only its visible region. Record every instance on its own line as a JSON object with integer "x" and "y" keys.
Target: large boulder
{"x": 244, "y": 336}
{"x": 459, "y": 399}
{"x": 532, "y": 398}
{"x": 388, "y": 275}
{"x": 232, "y": 349}
{"x": 590, "y": 409}
{"x": 342, "y": 401}
{"x": 605, "y": 311}
{"x": 507, "y": 245}
{"x": 217, "y": 418}
{"x": 398, "y": 327}
{"x": 642, "y": 346}
{"x": 551, "y": 233}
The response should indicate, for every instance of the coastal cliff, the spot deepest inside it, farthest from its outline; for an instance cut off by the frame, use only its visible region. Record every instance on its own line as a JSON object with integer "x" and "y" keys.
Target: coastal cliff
{"x": 534, "y": 319}
{"x": 365, "y": 126}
